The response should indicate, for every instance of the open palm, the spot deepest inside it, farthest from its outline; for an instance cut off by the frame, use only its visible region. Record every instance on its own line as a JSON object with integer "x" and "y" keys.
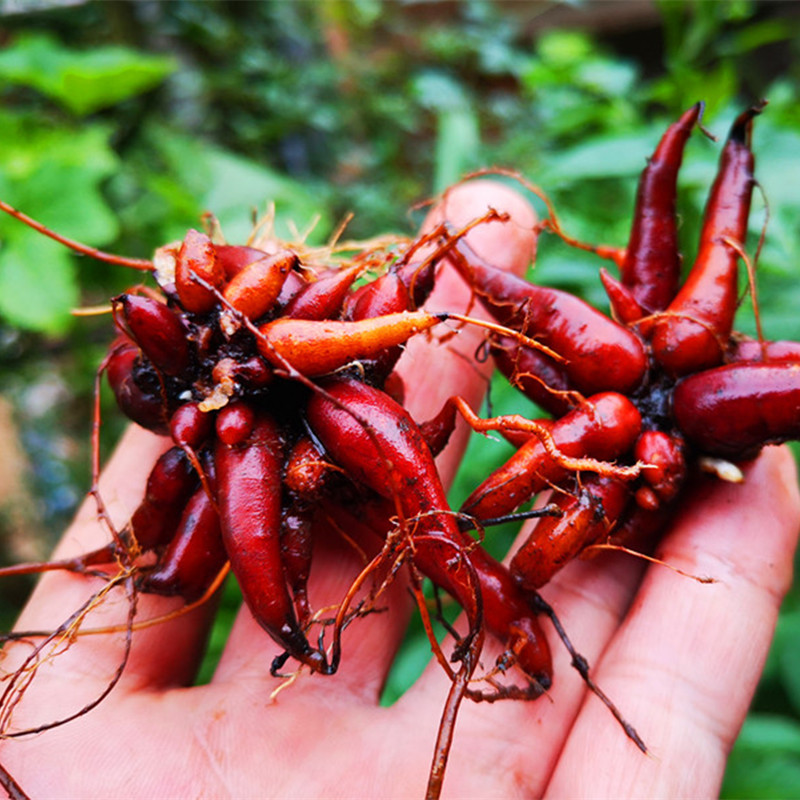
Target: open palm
{"x": 680, "y": 659}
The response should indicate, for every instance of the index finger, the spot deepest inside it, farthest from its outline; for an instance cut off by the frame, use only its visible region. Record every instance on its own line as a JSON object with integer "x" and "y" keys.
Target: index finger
{"x": 688, "y": 656}
{"x": 431, "y": 372}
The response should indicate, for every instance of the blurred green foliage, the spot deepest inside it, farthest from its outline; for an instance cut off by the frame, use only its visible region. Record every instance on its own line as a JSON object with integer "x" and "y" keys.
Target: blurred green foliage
{"x": 82, "y": 81}
{"x": 122, "y": 122}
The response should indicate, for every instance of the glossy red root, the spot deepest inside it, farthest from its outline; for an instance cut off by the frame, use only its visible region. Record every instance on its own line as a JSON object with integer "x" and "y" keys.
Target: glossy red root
{"x": 605, "y": 427}
{"x": 249, "y": 463}
{"x": 734, "y": 410}
{"x": 652, "y": 265}
{"x": 389, "y": 455}
{"x": 599, "y": 354}
{"x": 254, "y": 289}
{"x": 665, "y": 457}
{"x": 197, "y": 268}
{"x": 538, "y": 376}
{"x": 695, "y": 330}
{"x": 591, "y": 506}
{"x": 195, "y": 555}
{"x": 145, "y": 406}
{"x": 157, "y": 330}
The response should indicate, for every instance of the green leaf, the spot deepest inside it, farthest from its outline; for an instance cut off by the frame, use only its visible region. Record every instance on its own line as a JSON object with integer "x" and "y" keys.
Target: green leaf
{"x": 457, "y": 144}
{"x": 788, "y": 637}
{"x": 777, "y": 165}
{"x": 564, "y": 48}
{"x": 237, "y": 186}
{"x": 82, "y": 81}
{"x": 32, "y": 144}
{"x": 765, "y": 762}
{"x": 608, "y": 156}
{"x": 54, "y": 176}
{"x": 184, "y": 177}
{"x": 612, "y": 78}
{"x": 437, "y": 90}
{"x": 37, "y": 284}
{"x": 756, "y": 35}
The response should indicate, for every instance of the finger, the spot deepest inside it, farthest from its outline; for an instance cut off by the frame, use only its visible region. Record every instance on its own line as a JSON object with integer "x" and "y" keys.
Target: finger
{"x": 521, "y": 741}
{"x": 681, "y": 668}
{"x": 688, "y": 656}
{"x": 509, "y": 245}
{"x": 82, "y": 670}
{"x": 431, "y": 374}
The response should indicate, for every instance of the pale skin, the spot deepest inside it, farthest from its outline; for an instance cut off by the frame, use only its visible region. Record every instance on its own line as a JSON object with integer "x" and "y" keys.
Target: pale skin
{"x": 681, "y": 659}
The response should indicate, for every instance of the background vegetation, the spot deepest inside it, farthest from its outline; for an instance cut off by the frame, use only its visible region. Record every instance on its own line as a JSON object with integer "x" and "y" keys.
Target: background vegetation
{"x": 122, "y": 122}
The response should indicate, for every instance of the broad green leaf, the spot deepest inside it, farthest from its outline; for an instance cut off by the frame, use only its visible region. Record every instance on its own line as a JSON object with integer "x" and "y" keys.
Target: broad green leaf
{"x": 184, "y": 158}
{"x": 609, "y": 156}
{"x": 756, "y": 35}
{"x": 777, "y": 163}
{"x": 789, "y": 656}
{"x": 68, "y": 200}
{"x": 457, "y": 131}
{"x": 32, "y": 143}
{"x": 437, "y": 90}
{"x": 54, "y": 176}
{"x": 166, "y": 178}
{"x": 564, "y": 48}
{"x": 237, "y": 186}
{"x": 37, "y": 284}
{"x": 83, "y": 81}
{"x": 606, "y": 76}
{"x": 190, "y": 178}
{"x": 771, "y": 732}
{"x": 457, "y": 143}
{"x": 765, "y": 762}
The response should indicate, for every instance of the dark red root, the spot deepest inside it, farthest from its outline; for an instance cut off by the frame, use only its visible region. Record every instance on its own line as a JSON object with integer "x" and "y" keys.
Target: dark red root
{"x": 249, "y": 461}
{"x": 599, "y": 354}
{"x": 624, "y": 307}
{"x": 145, "y": 406}
{"x": 664, "y": 455}
{"x": 437, "y": 431}
{"x": 696, "y": 327}
{"x": 605, "y": 427}
{"x": 750, "y": 350}
{"x": 539, "y": 377}
{"x": 195, "y": 555}
{"x": 323, "y": 298}
{"x": 652, "y": 266}
{"x": 390, "y": 456}
{"x": 734, "y": 410}
{"x": 591, "y": 506}
{"x": 157, "y": 330}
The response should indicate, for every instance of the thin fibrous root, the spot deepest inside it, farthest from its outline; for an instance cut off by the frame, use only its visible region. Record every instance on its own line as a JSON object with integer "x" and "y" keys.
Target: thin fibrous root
{"x": 520, "y": 423}
{"x": 582, "y": 666}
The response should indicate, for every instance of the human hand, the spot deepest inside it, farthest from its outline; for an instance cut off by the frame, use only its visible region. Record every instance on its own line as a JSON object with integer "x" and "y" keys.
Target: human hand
{"x": 680, "y": 659}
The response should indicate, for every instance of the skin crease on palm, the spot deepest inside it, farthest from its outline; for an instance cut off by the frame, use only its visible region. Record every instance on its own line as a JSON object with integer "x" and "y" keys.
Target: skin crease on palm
{"x": 680, "y": 659}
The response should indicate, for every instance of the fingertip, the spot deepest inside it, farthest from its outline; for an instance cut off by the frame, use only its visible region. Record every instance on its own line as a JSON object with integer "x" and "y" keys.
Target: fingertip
{"x": 777, "y": 469}
{"x": 434, "y": 373}
{"x": 750, "y": 529}
{"x": 507, "y": 244}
